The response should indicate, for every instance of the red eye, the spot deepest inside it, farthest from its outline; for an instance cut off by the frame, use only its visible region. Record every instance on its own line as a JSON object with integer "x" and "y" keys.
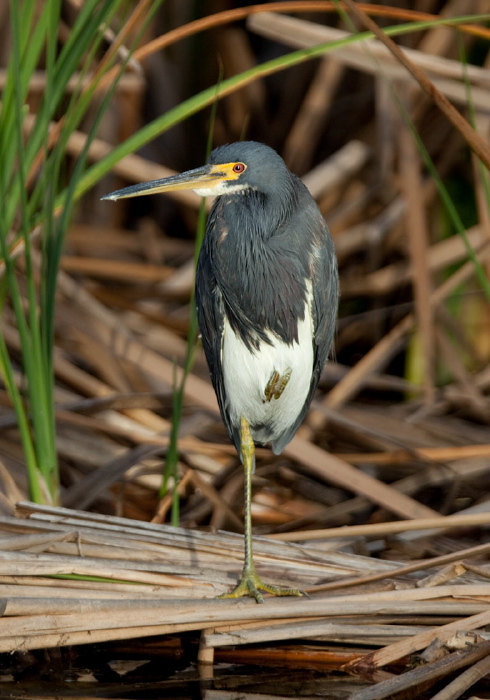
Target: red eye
{"x": 239, "y": 168}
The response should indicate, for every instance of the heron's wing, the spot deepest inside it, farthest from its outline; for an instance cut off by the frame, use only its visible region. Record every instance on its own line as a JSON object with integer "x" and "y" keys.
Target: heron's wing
{"x": 211, "y": 316}
{"x": 325, "y": 294}
{"x": 323, "y": 310}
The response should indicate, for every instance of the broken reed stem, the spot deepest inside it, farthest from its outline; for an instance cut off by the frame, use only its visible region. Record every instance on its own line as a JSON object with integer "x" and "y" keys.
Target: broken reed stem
{"x": 389, "y": 528}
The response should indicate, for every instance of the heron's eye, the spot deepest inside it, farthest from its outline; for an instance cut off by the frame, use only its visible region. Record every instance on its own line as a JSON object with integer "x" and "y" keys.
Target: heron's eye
{"x": 239, "y": 167}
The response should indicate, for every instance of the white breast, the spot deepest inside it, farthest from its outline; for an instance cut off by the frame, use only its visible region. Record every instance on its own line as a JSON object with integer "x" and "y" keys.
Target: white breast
{"x": 246, "y": 375}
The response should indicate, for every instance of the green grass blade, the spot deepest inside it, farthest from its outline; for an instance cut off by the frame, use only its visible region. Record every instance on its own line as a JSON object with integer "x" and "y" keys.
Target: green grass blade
{"x": 37, "y": 490}
{"x": 34, "y": 304}
{"x": 27, "y": 321}
{"x": 31, "y": 38}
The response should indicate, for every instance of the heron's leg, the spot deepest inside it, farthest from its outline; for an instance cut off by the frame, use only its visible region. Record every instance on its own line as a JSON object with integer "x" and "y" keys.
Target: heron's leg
{"x": 250, "y": 582}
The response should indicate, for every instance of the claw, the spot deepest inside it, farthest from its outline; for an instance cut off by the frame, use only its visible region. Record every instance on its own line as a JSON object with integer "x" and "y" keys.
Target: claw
{"x": 251, "y": 584}
{"x": 283, "y": 383}
{"x": 276, "y": 385}
{"x": 270, "y": 388}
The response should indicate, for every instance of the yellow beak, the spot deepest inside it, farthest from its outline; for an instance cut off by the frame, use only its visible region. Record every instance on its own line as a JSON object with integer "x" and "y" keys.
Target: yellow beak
{"x": 207, "y": 177}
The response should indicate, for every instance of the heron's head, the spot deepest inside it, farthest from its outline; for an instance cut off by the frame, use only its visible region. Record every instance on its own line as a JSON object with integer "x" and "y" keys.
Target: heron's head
{"x": 234, "y": 168}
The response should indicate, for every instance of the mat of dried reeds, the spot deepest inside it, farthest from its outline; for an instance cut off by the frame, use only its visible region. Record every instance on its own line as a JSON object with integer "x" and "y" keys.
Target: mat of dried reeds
{"x": 69, "y": 577}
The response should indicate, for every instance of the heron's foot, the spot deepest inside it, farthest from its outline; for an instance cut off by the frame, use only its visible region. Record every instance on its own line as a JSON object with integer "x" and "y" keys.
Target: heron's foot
{"x": 251, "y": 584}
{"x": 276, "y": 385}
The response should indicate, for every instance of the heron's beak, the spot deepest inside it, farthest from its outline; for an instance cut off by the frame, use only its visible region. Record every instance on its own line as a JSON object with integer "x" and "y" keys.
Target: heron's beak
{"x": 205, "y": 178}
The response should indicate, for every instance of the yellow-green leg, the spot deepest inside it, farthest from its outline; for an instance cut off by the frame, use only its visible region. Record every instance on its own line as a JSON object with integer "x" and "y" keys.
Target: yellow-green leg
{"x": 250, "y": 583}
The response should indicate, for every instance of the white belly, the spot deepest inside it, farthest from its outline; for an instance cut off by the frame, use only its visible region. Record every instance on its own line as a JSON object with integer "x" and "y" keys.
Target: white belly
{"x": 247, "y": 374}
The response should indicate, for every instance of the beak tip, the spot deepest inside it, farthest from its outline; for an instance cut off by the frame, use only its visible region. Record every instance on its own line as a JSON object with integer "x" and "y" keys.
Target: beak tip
{"x": 108, "y": 197}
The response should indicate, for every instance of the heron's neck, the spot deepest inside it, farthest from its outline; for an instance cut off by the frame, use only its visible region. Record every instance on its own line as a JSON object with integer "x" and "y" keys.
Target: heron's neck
{"x": 258, "y": 214}
{"x": 248, "y": 244}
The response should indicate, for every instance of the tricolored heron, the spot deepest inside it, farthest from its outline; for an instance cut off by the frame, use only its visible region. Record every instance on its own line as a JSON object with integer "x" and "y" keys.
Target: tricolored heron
{"x": 266, "y": 294}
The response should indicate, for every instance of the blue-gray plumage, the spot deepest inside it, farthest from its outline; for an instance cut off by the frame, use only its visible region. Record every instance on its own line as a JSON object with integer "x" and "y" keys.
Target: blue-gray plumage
{"x": 266, "y": 263}
{"x": 266, "y": 293}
